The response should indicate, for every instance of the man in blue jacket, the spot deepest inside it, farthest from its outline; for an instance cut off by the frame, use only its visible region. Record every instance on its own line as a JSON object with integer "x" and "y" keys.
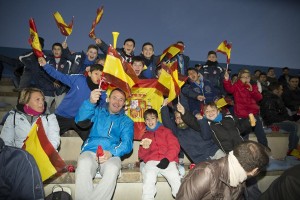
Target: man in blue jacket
{"x": 113, "y": 131}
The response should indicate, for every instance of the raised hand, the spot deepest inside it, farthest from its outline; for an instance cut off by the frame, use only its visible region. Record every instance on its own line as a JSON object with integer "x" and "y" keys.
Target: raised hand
{"x": 95, "y": 95}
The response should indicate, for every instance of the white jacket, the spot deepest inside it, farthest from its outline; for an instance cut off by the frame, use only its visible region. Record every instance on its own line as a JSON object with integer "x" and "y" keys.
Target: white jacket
{"x": 15, "y": 136}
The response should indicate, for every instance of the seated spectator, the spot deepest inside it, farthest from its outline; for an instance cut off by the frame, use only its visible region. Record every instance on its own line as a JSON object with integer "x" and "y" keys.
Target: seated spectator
{"x": 274, "y": 112}
{"x": 224, "y": 178}
{"x": 31, "y": 105}
{"x": 246, "y": 98}
{"x": 80, "y": 89}
{"x": 271, "y": 76}
{"x": 286, "y": 187}
{"x": 80, "y": 61}
{"x": 20, "y": 177}
{"x": 291, "y": 95}
{"x": 159, "y": 150}
{"x": 285, "y": 77}
{"x": 113, "y": 131}
{"x": 262, "y": 82}
{"x": 150, "y": 60}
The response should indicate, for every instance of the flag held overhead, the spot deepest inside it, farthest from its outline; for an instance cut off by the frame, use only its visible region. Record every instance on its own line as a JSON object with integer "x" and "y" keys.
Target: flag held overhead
{"x": 225, "y": 48}
{"x": 95, "y": 22}
{"x": 34, "y": 39}
{"x": 65, "y": 29}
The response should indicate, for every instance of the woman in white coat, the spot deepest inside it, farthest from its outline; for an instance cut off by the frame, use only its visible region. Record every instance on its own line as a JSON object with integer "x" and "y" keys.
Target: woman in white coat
{"x": 31, "y": 105}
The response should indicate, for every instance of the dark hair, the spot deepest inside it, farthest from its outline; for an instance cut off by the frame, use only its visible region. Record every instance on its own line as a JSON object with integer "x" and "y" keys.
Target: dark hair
{"x": 147, "y": 43}
{"x": 57, "y": 44}
{"x": 274, "y": 86}
{"x": 251, "y": 155}
{"x": 137, "y": 59}
{"x": 263, "y": 74}
{"x": 291, "y": 77}
{"x": 211, "y": 52}
{"x": 198, "y": 65}
{"x": 211, "y": 104}
{"x": 181, "y": 42}
{"x": 92, "y": 46}
{"x": 96, "y": 67}
{"x": 118, "y": 89}
{"x": 270, "y": 68}
{"x": 285, "y": 68}
{"x": 257, "y": 70}
{"x": 129, "y": 40}
{"x": 150, "y": 111}
{"x": 192, "y": 69}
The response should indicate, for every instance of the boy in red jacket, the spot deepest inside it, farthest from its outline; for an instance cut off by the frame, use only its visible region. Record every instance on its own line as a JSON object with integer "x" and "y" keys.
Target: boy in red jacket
{"x": 159, "y": 150}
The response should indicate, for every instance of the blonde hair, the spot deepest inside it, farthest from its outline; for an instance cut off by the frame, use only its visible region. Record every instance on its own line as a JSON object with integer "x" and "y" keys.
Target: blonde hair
{"x": 243, "y": 71}
{"x": 25, "y": 95}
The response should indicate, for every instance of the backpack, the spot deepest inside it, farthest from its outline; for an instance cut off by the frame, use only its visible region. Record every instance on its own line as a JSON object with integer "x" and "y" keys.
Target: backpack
{"x": 59, "y": 193}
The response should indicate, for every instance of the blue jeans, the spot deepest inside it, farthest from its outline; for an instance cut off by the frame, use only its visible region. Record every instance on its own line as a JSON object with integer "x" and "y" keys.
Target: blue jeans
{"x": 292, "y": 129}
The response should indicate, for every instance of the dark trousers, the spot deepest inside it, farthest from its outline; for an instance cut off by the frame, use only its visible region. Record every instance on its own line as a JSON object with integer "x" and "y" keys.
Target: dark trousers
{"x": 66, "y": 124}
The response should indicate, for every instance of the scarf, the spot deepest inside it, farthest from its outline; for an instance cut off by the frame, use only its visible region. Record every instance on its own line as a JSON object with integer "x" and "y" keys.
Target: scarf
{"x": 210, "y": 63}
{"x": 237, "y": 174}
{"x": 29, "y": 111}
{"x": 218, "y": 118}
{"x": 90, "y": 83}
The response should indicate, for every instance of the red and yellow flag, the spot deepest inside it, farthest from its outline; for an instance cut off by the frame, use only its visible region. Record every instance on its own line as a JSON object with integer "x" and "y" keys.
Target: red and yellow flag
{"x": 144, "y": 96}
{"x": 170, "y": 52}
{"x": 225, "y": 48}
{"x": 95, "y": 22}
{"x": 65, "y": 29}
{"x": 170, "y": 81}
{"x": 47, "y": 158}
{"x": 34, "y": 39}
{"x": 119, "y": 72}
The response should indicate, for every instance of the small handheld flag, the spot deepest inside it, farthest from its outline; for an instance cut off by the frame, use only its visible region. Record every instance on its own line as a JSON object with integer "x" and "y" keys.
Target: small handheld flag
{"x": 225, "y": 48}
{"x": 34, "y": 39}
{"x": 65, "y": 29}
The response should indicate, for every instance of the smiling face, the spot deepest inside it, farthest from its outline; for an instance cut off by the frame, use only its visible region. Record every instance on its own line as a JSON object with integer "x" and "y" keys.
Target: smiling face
{"x": 116, "y": 101}
{"x": 211, "y": 112}
{"x": 36, "y": 101}
{"x": 138, "y": 67}
{"x": 128, "y": 47}
{"x": 151, "y": 121}
{"x": 148, "y": 51}
{"x": 92, "y": 54}
{"x": 194, "y": 76}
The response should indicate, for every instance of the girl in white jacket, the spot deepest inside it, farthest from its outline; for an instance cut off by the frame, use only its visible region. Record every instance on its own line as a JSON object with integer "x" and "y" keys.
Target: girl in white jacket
{"x": 31, "y": 105}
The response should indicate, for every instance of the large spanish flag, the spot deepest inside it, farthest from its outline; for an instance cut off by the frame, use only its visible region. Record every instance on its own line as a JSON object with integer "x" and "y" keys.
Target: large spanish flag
{"x": 65, "y": 29}
{"x": 47, "y": 158}
{"x": 119, "y": 72}
{"x": 34, "y": 39}
{"x": 144, "y": 96}
{"x": 225, "y": 48}
{"x": 95, "y": 22}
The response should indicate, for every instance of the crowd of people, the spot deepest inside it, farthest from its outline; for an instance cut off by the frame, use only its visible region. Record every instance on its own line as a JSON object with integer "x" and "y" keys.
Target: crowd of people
{"x": 213, "y": 137}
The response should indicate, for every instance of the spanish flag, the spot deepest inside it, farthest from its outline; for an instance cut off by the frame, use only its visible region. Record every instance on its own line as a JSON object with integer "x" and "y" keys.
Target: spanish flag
{"x": 95, "y": 22}
{"x": 225, "y": 48}
{"x": 65, "y": 29}
{"x": 144, "y": 96}
{"x": 170, "y": 52}
{"x": 34, "y": 39}
{"x": 119, "y": 72}
{"x": 47, "y": 158}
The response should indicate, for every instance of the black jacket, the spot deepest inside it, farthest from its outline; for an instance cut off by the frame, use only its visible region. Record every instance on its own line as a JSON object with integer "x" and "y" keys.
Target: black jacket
{"x": 19, "y": 176}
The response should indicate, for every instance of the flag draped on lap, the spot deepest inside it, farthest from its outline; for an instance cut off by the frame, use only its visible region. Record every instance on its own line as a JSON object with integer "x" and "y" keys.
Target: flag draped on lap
{"x": 34, "y": 39}
{"x": 95, "y": 22}
{"x": 119, "y": 72}
{"x": 144, "y": 96}
{"x": 65, "y": 29}
{"x": 169, "y": 81}
{"x": 37, "y": 144}
{"x": 225, "y": 48}
{"x": 170, "y": 52}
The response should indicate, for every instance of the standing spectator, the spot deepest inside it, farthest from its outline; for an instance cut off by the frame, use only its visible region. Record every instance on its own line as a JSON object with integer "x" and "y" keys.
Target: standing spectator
{"x": 213, "y": 76}
{"x": 271, "y": 76}
{"x": 274, "y": 112}
{"x": 246, "y": 98}
{"x": 262, "y": 82}
{"x": 31, "y": 106}
{"x": 291, "y": 95}
{"x": 150, "y": 60}
{"x": 183, "y": 60}
{"x": 113, "y": 131}
{"x": 224, "y": 178}
{"x": 285, "y": 77}
{"x": 159, "y": 150}
{"x": 127, "y": 52}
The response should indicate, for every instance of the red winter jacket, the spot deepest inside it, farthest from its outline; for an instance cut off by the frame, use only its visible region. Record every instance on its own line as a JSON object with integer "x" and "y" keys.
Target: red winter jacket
{"x": 164, "y": 145}
{"x": 245, "y": 101}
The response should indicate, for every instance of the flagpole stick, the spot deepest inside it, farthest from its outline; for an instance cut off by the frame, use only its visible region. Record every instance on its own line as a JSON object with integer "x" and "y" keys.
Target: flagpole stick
{"x": 227, "y": 67}
{"x": 66, "y": 38}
